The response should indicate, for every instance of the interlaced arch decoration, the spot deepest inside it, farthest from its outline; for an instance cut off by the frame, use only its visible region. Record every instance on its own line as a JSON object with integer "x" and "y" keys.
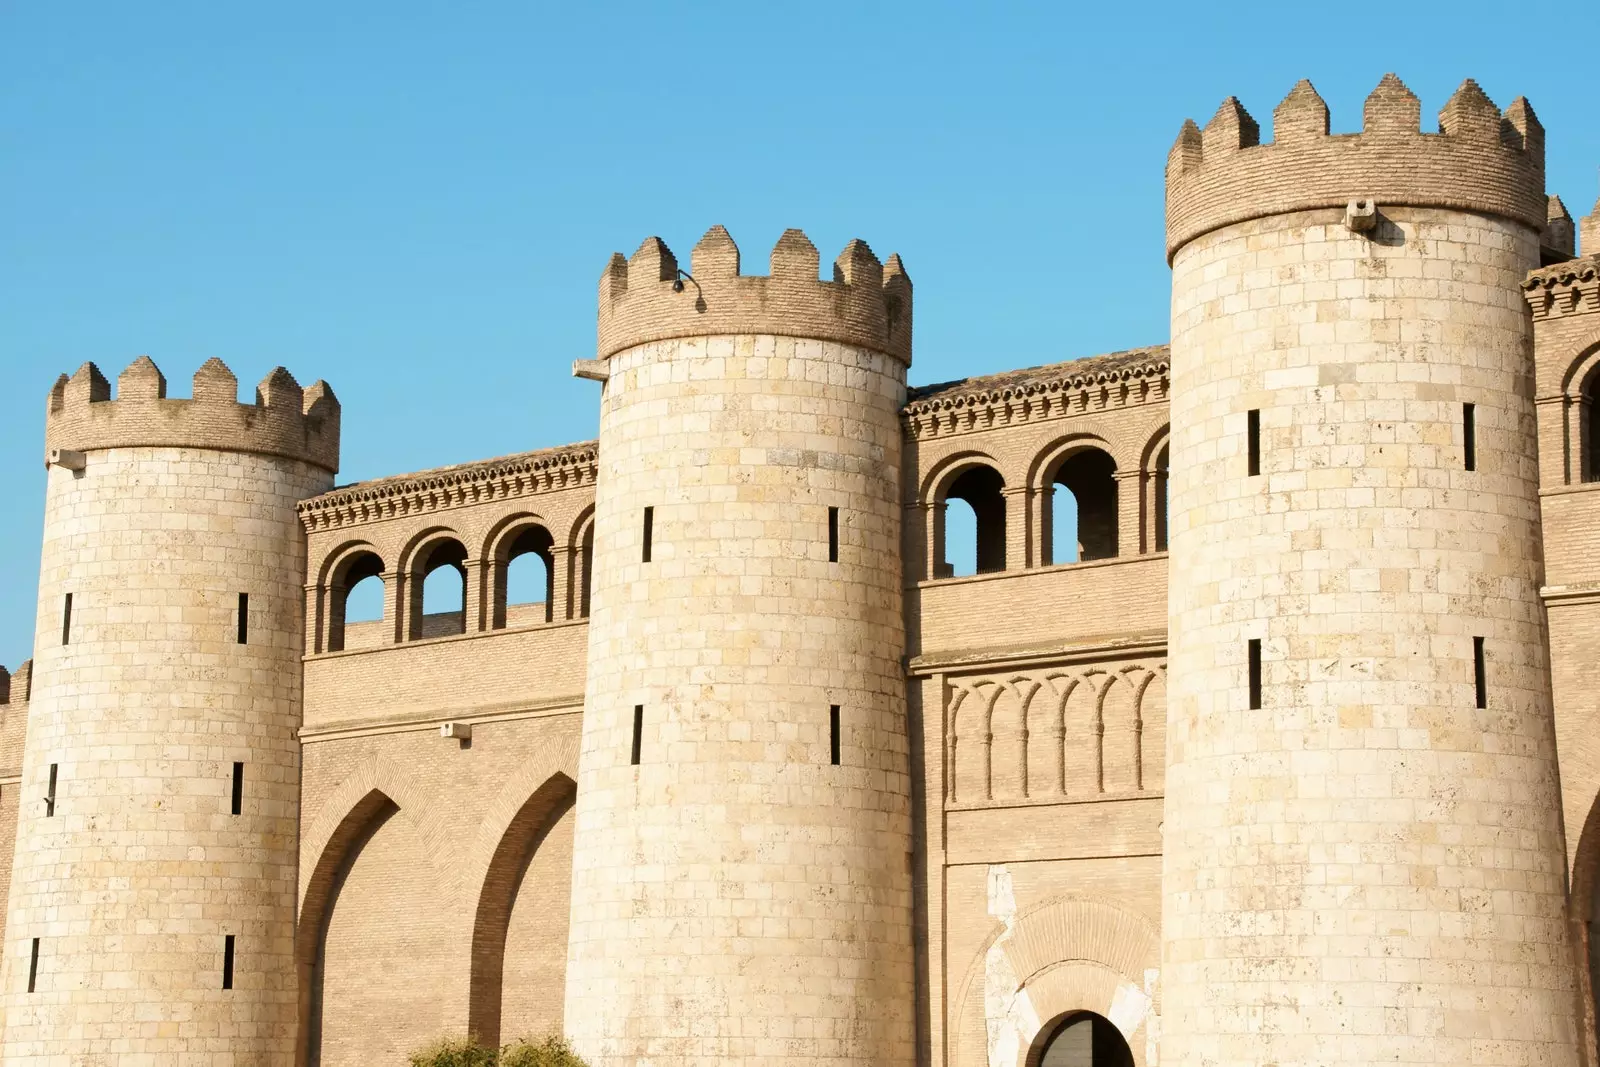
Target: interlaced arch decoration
{"x": 1059, "y": 712}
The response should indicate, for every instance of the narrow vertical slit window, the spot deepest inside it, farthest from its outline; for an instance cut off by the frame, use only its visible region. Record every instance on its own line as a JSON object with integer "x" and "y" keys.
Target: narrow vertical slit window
{"x": 227, "y": 962}
{"x": 66, "y": 621}
{"x": 833, "y": 535}
{"x": 638, "y": 734}
{"x": 1255, "y": 673}
{"x": 244, "y": 618}
{"x": 50, "y": 793}
{"x": 33, "y": 966}
{"x": 1253, "y": 442}
{"x": 238, "y": 788}
{"x": 1469, "y": 435}
{"x": 649, "y": 531}
{"x": 1480, "y": 676}
{"x": 833, "y": 728}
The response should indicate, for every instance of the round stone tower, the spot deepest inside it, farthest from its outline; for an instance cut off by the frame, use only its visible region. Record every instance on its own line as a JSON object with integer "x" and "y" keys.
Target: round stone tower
{"x": 1363, "y": 847}
{"x": 741, "y": 878}
{"x": 151, "y": 914}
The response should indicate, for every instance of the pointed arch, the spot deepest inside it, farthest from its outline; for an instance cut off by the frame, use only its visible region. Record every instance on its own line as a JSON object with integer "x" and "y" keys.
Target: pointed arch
{"x": 498, "y": 892}
{"x": 374, "y": 774}
{"x": 374, "y": 792}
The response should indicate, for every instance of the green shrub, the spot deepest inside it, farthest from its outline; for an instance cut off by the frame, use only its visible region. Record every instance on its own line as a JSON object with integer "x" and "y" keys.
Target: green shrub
{"x": 552, "y": 1051}
{"x": 454, "y": 1052}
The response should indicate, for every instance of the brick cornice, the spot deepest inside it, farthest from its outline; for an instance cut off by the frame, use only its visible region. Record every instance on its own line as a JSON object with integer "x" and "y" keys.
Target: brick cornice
{"x": 1099, "y": 384}
{"x": 1563, "y": 289}
{"x": 525, "y": 474}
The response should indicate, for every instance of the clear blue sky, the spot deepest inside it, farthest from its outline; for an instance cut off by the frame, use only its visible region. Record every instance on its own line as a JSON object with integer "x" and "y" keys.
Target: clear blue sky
{"x": 415, "y": 201}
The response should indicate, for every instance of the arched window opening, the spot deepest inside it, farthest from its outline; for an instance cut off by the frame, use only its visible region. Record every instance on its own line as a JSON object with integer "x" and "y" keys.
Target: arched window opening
{"x": 1083, "y": 520}
{"x": 525, "y": 579}
{"x": 1589, "y": 427}
{"x": 960, "y": 539}
{"x": 1082, "y": 1039}
{"x": 443, "y": 602}
{"x": 355, "y": 603}
{"x": 981, "y": 525}
{"x": 1163, "y": 498}
{"x": 586, "y": 568}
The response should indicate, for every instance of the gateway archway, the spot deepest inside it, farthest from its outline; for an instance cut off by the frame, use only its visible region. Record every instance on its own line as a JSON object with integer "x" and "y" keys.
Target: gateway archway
{"x": 1081, "y": 1039}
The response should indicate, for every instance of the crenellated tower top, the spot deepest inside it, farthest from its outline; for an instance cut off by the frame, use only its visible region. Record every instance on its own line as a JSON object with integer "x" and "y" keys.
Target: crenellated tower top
{"x": 648, "y": 298}
{"x": 1481, "y": 160}
{"x": 285, "y": 420}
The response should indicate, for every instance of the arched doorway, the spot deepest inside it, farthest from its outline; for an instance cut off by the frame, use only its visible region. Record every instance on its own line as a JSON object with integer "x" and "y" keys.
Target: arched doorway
{"x": 1081, "y": 1039}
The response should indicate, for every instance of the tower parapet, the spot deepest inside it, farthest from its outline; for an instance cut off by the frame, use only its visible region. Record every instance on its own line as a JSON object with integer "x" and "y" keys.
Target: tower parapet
{"x": 285, "y": 419}
{"x": 1589, "y": 233}
{"x": 1481, "y": 160}
{"x": 648, "y": 298}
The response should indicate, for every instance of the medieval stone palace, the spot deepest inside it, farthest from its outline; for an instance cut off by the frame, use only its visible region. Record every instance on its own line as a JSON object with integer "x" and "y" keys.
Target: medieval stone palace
{"x": 1262, "y": 732}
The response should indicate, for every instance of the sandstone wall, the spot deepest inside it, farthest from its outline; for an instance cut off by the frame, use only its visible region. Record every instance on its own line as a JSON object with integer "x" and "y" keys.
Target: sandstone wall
{"x": 1369, "y": 866}
{"x": 735, "y": 895}
{"x": 133, "y": 882}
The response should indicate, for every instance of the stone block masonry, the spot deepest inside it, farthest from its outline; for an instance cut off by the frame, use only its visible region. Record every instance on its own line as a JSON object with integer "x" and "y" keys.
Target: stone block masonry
{"x": 1365, "y": 864}
{"x": 131, "y": 869}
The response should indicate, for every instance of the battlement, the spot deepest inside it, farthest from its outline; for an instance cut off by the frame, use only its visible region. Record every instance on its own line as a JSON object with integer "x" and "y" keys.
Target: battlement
{"x": 285, "y": 420}
{"x": 1559, "y": 240}
{"x": 1589, "y": 232}
{"x": 1481, "y": 160}
{"x": 16, "y": 688}
{"x": 648, "y": 298}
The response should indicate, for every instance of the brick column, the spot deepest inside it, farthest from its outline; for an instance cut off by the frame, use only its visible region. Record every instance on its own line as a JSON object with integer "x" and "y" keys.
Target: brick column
{"x": 1017, "y": 540}
{"x": 932, "y": 515}
{"x": 1042, "y": 505}
{"x": 396, "y": 600}
{"x": 478, "y": 598}
{"x": 316, "y": 608}
{"x": 562, "y": 582}
{"x": 1131, "y": 539}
